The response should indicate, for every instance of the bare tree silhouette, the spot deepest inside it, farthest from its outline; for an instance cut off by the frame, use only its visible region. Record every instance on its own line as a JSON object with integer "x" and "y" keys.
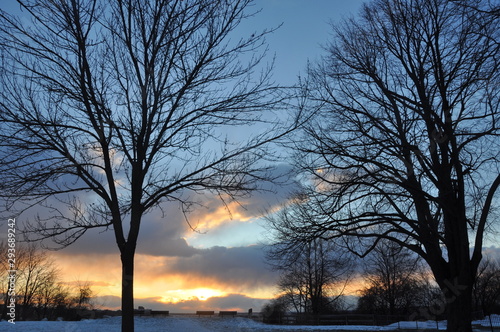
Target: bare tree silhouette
{"x": 405, "y": 144}
{"x": 313, "y": 273}
{"x": 127, "y": 102}
{"x": 395, "y": 282}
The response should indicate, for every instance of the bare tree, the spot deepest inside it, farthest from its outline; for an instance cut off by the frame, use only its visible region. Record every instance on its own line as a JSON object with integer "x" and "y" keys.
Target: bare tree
{"x": 486, "y": 293}
{"x": 51, "y": 298}
{"x": 35, "y": 274}
{"x": 395, "y": 283}
{"x": 314, "y": 273}
{"x": 36, "y": 270}
{"x": 405, "y": 143}
{"x": 109, "y": 108}
{"x": 83, "y": 295}
{"x": 292, "y": 291}
{"x": 491, "y": 7}
{"x": 39, "y": 290}
{"x": 314, "y": 282}
{"x": 274, "y": 311}
{"x": 5, "y": 281}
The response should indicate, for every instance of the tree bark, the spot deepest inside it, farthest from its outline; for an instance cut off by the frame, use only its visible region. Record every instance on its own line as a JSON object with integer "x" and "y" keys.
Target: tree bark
{"x": 459, "y": 307}
{"x": 127, "y": 258}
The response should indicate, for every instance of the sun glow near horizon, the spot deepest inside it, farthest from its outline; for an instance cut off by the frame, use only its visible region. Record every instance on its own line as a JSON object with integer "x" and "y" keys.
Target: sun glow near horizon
{"x": 200, "y": 294}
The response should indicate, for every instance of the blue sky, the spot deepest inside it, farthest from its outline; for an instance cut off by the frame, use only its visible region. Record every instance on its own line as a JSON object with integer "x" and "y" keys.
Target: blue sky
{"x": 222, "y": 266}
{"x": 178, "y": 269}
{"x": 226, "y": 257}
{"x": 305, "y": 28}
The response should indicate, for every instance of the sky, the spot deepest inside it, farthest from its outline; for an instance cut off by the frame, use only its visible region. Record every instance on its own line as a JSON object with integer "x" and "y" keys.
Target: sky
{"x": 220, "y": 265}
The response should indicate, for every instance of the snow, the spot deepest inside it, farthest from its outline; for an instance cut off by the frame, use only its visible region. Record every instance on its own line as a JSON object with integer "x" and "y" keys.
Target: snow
{"x": 204, "y": 324}
{"x": 430, "y": 325}
{"x": 173, "y": 324}
{"x": 488, "y": 321}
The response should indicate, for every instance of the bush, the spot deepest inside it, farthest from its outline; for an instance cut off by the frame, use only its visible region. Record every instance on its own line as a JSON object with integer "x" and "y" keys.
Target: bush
{"x": 274, "y": 311}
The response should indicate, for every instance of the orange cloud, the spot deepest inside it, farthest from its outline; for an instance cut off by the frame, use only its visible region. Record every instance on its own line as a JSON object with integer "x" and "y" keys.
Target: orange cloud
{"x": 216, "y": 213}
{"x": 172, "y": 279}
{"x": 102, "y": 272}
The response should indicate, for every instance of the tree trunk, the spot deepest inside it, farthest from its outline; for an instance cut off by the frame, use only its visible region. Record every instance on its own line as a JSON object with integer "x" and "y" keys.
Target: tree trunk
{"x": 127, "y": 257}
{"x": 6, "y": 303}
{"x": 459, "y": 306}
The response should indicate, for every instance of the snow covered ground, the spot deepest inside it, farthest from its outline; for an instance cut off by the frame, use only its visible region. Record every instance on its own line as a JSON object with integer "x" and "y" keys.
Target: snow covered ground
{"x": 200, "y": 324}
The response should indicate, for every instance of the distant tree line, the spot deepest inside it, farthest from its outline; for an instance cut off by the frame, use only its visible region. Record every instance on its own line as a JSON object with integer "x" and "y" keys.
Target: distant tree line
{"x": 399, "y": 283}
{"x": 40, "y": 293}
{"x": 395, "y": 282}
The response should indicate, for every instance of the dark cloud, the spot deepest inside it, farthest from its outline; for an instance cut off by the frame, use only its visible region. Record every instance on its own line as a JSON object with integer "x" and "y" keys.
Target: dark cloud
{"x": 107, "y": 302}
{"x": 94, "y": 242}
{"x": 209, "y": 209}
{"x": 159, "y": 236}
{"x": 163, "y": 230}
{"x": 162, "y": 234}
{"x": 166, "y": 247}
{"x": 237, "y": 267}
{"x": 237, "y": 302}
{"x": 272, "y": 194}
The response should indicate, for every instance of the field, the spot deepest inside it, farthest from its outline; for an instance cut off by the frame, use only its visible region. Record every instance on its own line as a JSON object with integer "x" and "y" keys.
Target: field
{"x": 182, "y": 323}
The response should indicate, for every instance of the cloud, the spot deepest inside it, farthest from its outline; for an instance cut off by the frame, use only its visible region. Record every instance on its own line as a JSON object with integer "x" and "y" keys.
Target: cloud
{"x": 235, "y": 302}
{"x": 214, "y": 211}
{"x": 239, "y": 268}
{"x": 492, "y": 253}
{"x": 209, "y": 272}
{"x": 107, "y": 302}
{"x": 164, "y": 230}
{"x": 273, "y": 194}
{"x": 177, "y": 247}
{"x": 158, "y": 236}
{"x": 227, "y": 260}
{"x": 94, "y": 242}
{"x": 90, "y": 283}
{"x": 101, "y": 271}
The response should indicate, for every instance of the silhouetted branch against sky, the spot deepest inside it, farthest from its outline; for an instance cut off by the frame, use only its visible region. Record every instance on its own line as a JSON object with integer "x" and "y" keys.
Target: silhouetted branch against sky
{"x": 94, "y": 92}
{"x": 404, "y": 144}
{"x": 134, "y": 102}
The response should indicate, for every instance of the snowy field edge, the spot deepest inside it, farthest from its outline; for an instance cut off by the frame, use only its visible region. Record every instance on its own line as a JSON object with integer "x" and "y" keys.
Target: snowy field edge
{"x": 209, "y": 324}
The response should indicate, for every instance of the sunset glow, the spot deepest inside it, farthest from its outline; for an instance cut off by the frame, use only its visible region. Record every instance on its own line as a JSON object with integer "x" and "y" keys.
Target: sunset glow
{"x": 202, "y": 294}
{"x": 212, "y": 256}
{"x": 187, "y": 245}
